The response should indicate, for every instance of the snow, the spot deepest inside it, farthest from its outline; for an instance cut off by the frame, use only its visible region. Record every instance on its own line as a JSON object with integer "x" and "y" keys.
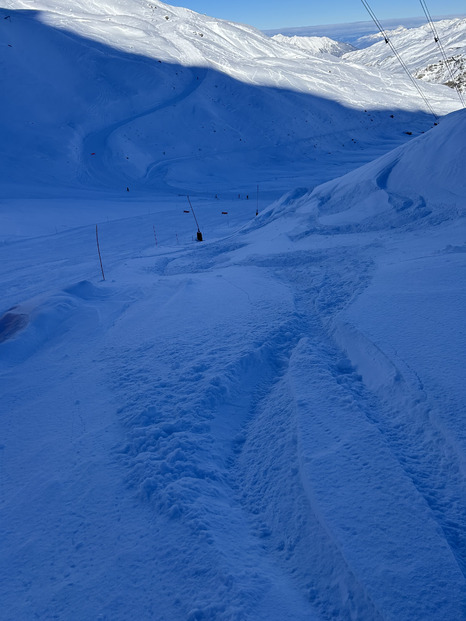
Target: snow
{"x": 316, "y": 45}
{"x": 420, "y": 52}
{"x": 358, "y": 34}
{"x": 265, "y": 425}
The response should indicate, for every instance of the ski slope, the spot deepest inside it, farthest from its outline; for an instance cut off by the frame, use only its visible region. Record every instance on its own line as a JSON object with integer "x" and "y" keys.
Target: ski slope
{"x": 267, "y": 424}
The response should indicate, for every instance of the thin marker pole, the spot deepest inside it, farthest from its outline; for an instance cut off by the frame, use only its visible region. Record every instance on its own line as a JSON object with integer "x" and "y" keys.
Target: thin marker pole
{"x": 98, "y": 250}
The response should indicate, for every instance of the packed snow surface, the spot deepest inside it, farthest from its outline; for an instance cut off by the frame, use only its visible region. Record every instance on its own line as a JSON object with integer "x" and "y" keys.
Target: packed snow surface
{"x": 265, "y": 425}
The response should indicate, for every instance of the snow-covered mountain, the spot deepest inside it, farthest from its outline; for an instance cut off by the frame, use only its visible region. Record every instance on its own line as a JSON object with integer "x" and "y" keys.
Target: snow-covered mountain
{"x": 420, "y": 52}
{"x": 359, "y": 34}
{"x": 144, "y": 94}
{"x": 316, "y": 45}
{"x": 376, "y": 37}
{"x": 269, "y": 424}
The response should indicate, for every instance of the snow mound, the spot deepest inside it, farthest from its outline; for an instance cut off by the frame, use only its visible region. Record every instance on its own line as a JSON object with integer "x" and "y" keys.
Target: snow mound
{"x": 42, "y": 321}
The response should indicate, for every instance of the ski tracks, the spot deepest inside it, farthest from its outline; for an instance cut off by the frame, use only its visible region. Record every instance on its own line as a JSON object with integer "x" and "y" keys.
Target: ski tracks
{"x": 251, "y": 431}
{"x": 339, "y": 482}
{"x": 97, "y": 142}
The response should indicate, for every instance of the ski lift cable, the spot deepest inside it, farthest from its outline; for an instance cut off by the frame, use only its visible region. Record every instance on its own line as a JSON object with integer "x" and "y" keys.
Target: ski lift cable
{"x": 442, "y": 49}
{"x": 430, "y": 20}
{"x": 436, "y": 36}
{"x": 400, "y": 60}
{"x": 375, "y": 20}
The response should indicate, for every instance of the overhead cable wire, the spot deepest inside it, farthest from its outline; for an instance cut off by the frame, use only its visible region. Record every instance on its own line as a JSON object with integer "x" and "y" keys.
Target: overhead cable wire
{"x": 442, "y": 49}
{"x": 400, "y": 60}
{"x": 376, "y": 21}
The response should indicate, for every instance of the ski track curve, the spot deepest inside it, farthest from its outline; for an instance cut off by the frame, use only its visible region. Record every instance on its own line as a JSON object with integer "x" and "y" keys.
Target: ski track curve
{"x": 409, "y": 418}
{"x": 100, "y": 162}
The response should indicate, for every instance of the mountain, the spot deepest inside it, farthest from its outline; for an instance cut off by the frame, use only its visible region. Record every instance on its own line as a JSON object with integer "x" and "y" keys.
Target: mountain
{"x": 376, "y": 37}
{"x": 146, "y": 96}
{"x": 358, "y": 34}
{"x": 316, "y": 45}
{"x": 264, "y": 425}
{"x": 421, "y": 53}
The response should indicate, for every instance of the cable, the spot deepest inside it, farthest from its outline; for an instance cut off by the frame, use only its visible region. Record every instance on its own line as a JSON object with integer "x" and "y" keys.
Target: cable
{"x": 442, "y": 49}
{"x": 400, "y": 60}
{"x": 376, "y": 21}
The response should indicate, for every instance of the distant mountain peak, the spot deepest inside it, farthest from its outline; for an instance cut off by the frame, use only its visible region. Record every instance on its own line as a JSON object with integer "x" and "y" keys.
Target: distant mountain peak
{"x": 316, "y": 45}
{"x": 420, "y": 53}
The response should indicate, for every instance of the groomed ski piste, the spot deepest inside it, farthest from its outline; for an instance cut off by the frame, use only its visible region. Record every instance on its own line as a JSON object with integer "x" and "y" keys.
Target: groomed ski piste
{"x": 267, "y": 424}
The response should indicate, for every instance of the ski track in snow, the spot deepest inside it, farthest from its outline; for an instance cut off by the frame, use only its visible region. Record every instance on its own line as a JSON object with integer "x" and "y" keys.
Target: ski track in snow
{"x": 275, "y": 476}
{"x": 183, "y": 398}
{"x": 98, "y": 141}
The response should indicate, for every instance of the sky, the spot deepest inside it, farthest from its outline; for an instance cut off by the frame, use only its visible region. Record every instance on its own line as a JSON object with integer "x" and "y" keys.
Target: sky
{"x": 270, "y": 14}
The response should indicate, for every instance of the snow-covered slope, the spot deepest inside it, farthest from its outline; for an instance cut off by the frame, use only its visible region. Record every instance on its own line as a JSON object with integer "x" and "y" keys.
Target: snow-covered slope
{"x": 269, "y": 424}
{"x": 393, "y": 189}
{"x": 146, "y": 96}
{"x": 316, "y": 45}
{"x": 421, "y": 53}
{"x": 377, "y": 37}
